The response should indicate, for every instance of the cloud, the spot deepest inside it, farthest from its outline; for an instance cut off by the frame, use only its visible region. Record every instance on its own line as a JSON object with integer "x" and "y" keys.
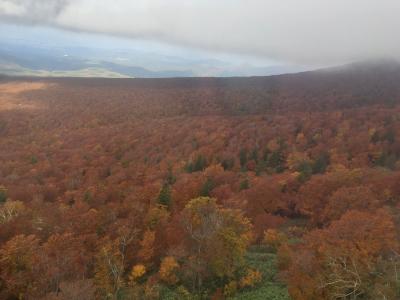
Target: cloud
{"x": 306, "y": 31}
{"x": 31, "y": 11}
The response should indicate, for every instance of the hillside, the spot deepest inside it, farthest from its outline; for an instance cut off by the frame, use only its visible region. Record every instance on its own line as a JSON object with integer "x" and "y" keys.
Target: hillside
{"x": 351, "y": 86}
{"x": 201, "y": 188}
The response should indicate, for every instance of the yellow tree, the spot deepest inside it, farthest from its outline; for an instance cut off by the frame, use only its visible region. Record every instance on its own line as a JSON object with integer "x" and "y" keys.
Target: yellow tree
{"x": 17, "y": 265}
{"x": 216, "y": 240}
{"x": 109, "y": 270}
{"x": 168, "y": 268}
{"x": 10, "y": 209}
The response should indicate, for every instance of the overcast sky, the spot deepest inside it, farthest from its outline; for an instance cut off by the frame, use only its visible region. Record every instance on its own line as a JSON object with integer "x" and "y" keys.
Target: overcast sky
{"x": 295, "y": 31}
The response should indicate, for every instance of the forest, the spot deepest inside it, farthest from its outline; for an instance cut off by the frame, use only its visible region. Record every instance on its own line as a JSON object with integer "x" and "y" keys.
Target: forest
{"x": 281, "y": 187}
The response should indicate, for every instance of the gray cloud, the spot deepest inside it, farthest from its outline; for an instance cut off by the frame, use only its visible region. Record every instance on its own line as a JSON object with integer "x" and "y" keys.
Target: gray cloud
{"x": 306, "y": 31}
{"x": 31, "y": 11}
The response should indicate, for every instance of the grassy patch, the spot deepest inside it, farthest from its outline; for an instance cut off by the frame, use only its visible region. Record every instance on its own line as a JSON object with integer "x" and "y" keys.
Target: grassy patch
{"x": 269, "y": 288}
{"x": 258, "y": 258}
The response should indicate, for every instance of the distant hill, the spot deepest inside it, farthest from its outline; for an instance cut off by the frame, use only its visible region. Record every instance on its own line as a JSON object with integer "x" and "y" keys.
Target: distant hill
{"x": 39, "y": 64}
{"x": 24, "y": 59}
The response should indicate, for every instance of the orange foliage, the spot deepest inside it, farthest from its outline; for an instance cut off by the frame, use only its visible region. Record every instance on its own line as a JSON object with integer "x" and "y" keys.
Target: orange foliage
{"x": 82, "y": 163}
{"x": 167, "y": 270}
{"x": 342, "y": 258}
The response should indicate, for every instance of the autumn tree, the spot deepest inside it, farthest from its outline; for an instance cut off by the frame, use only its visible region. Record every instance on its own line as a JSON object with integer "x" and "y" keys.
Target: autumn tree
{"x": 111, "y": 262}
{"x": 274, "y": 239}
{"x": 355, "y": 256}
{"x": 61, "y": 259}
{"x": 347, "y": 198}
{"x": 109, "y": 270}
{"x": 82, "y": 289}
{"x": 216, "y": 240}
{"x": 168, "y": 269}
{"x": 11, "y": 209}
{"x": 146, "y": 251}
{"x": 18, "y": 259}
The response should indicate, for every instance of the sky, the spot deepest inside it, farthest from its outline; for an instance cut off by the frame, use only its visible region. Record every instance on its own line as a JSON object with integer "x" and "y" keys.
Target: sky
{"x": 47, "y": 36}
{"x": 307, "y": 32}
{"x": 27, "y": 41}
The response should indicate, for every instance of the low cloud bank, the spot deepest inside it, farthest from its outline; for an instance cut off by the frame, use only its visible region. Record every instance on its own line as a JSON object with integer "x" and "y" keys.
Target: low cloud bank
{"x": 307, "y": 31}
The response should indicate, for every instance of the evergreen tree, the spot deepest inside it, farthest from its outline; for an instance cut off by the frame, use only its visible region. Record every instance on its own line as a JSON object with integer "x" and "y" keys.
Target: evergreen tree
{"x": 3, "y": 194}
{"x": 243, "y": 157}
{"x": 207, "y": 187}
{"x": 164, "y": 197}
{"x": 244, "y": 185}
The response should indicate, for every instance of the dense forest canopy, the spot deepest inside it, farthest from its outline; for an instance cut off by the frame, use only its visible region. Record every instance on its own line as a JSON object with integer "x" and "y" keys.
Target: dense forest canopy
{"x": 243, "y": 188}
